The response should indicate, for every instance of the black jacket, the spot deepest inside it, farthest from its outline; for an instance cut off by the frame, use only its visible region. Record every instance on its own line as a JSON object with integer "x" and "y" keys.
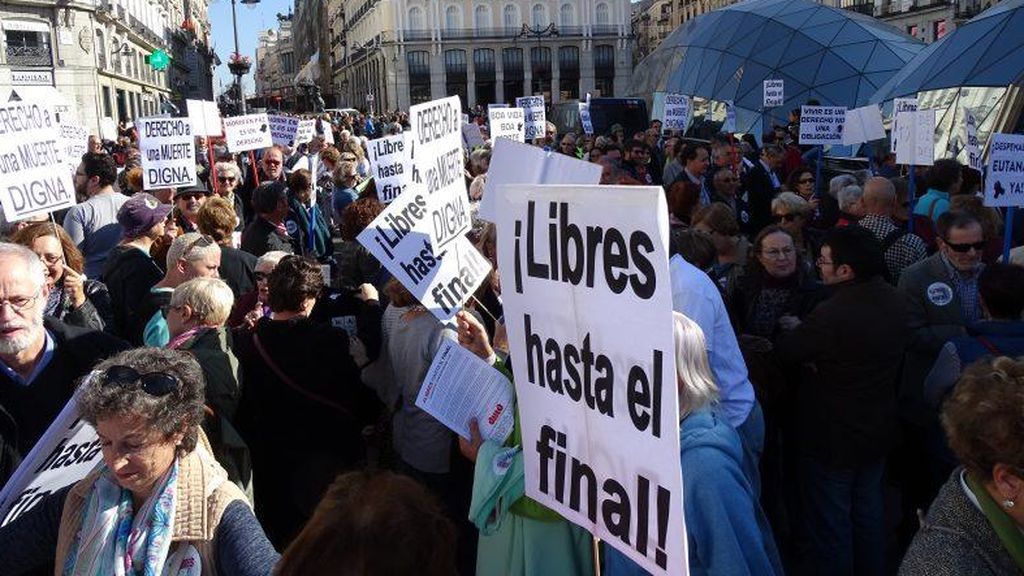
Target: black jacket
{"x": 850, "y": 347}
{"x": 760, "y": 191}
{"x": 238, "y": 270}
{"x": 261, "y": 236}
{"x": 129, "y": 274}
{"x": 76, "y": 352}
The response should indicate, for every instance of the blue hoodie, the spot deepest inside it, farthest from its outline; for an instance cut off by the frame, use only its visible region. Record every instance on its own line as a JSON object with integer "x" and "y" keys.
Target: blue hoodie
{"x": 726, "y": 530}
{"x": 936, "y": 198}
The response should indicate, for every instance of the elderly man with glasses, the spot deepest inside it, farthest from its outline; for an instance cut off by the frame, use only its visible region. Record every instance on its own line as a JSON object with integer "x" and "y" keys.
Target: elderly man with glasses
{"x": 40, "y": 359}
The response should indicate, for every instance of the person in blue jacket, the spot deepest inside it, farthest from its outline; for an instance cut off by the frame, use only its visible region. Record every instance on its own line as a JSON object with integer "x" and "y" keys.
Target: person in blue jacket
{"x": 726, "y": 530}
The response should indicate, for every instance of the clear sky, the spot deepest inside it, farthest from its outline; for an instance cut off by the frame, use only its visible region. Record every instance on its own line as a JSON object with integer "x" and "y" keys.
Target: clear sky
{"x": 251, "y": 20}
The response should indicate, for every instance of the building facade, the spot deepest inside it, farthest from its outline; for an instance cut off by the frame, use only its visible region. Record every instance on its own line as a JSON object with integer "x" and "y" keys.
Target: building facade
{"x": 94, "y": 53}
{"x": 276, "y": 68}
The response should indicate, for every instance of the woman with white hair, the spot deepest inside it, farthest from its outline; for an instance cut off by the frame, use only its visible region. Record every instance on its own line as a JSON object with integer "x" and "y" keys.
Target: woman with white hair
{"x": 726, "y": 530}
{"x": 851, "y": 208}
{"x": 229, "y": 176}
{"x": 793, "y": 214}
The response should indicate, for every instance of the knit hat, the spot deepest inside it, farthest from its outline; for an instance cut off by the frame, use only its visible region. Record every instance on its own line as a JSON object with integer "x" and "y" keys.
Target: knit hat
{"x": 140, "y": 213}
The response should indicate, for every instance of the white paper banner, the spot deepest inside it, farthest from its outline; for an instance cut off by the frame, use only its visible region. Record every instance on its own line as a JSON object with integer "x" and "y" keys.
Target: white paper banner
{"x": 729, "y": 125}
{"x": 915, "y": 142}
{"x": 863, "y": 125}
{"x": 283, "y": 129}
{"x": 507, "y": 123}
{"x": 533, "y": 109}
{"x": 822, "y": 125}
{"x": 389, "y": 162}
{"x": 251, "y": 132}
{"x": 1004, "y": 185}
{"x": 34, "y": 178}
{"x": 597, "y": 396}
{"x": 774, "y": 93}
{"x": 167, "y": 146}
{"x": 305, "y": 131}
{"x": 205, "y": 117}
{"x": 678, "y": 110}
{"x": 899, "y": 106}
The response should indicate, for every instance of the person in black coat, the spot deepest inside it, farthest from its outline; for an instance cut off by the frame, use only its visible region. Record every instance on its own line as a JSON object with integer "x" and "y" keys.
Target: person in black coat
{"x": 237, "y": 267}
{"x": 849, "y": 348}
{"x": 304, "y": 406}
{"x": 267, "y": 232}
{"x": 762, "y": 183}
{"x": 269, "y": 169}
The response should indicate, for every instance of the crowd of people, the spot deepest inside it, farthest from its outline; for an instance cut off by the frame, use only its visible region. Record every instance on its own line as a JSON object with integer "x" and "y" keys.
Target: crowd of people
{"x": 849, "y": 368}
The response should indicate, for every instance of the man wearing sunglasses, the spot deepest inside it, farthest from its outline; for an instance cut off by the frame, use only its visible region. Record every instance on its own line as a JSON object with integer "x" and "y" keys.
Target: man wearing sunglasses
{"x": 943, "y": 298}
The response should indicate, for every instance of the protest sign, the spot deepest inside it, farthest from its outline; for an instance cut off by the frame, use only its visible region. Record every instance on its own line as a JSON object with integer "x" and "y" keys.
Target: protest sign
{"x": 328, "y": 132}
{"x": 597, "y": 396}
{"x": 863, "y": 125}
{"x": 65, "y": 454}
{"x": 822, "y": 125}
{"x": 283, "y": 129}
{"x": 442, "y": 280}
{"x": 436, "y": 154}
{"x": 972, "y": 147}
{"x": 729, "y": 125}
{"x": 76, "y": 143}
{"x": 588, "y": 125}
{"x": 507, "y": 123}
{"x": 915, "y": 142}
{"x": 167, "y": 147}
{"x": 678, "y": 109}
{"x": 33, "y": 159}
{"x": 774, "y": 93}
{"x": 515, "y": 163}
{"x": 533, "y": 111}
{"x": 205, "y": 117}
{"x": 1004, "y": 185}
{"x": 305, "y": 131}
{"x": 244, "y": 133}
{"x": 899, "y": 106}
{"x": 498, "y": 105}
{"x": 108, "y": 128}
{"x": 459, "y": 387}
{"x": 389, "y": 164}
{"x": 471, "y": 136}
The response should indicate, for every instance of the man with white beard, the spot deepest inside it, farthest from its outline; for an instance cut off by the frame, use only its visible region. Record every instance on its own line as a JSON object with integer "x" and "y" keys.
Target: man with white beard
{"x": 41, "y": 359}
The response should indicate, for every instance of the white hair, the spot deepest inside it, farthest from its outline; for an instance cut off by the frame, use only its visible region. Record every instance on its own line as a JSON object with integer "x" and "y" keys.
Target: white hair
{"x": 697, "y": 389}
{"x": 793, "y": 203}
{"x": 190, "y": 247}
{"x": 837, "y": 183}
{"x": 229, "y": 168}
{"x": 849, "y": 196}
{"x": 210, "y": 299}
{"x": 273, "y": 258}
{"x": 29, "y": 259}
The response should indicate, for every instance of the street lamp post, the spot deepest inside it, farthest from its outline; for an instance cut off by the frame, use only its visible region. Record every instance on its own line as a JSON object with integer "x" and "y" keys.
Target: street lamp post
{"x": 238, "y": 54}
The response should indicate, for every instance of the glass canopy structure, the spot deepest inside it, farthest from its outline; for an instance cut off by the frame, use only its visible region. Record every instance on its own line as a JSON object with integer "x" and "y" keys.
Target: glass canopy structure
{"x": 835, "y": 56}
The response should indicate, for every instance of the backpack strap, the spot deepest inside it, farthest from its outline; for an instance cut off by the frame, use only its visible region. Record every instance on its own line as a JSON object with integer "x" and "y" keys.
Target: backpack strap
{"x": 292, "y": 384}
{"x": 988, "y": 345}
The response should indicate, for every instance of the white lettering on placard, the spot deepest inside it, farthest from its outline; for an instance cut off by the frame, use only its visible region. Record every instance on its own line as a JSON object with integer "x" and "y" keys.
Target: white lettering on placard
{"x": 33, "y": 154}
{"x": 167, "y": 147}
{"x": 588, "y": 382}
{"x": 822, "y": 125}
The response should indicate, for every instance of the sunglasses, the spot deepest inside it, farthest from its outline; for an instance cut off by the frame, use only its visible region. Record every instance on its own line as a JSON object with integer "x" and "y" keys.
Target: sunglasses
{"x": 152, "y": 383}
{"x": 785, "y": 217}
{"x": 188, "y": 197}
{"x": 201, "y": 242}
{"x": 225, "y": 178}
{"x": 962, "y": 248}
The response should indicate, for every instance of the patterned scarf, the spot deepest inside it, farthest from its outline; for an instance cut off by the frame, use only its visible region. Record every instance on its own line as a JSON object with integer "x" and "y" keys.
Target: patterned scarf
{"x": 115, "y": 541}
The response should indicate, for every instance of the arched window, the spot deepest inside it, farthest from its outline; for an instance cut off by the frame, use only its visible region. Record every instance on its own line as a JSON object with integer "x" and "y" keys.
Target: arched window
{"x": 452, "y": 18}
{"x": 566, "y": 17}
{"x": 482, "y": 17}
{"x": 540, "y": 16}
{"x": 416, "y": 18}
{"x": 511, "y": 16}
{"x": 602, "y": 14}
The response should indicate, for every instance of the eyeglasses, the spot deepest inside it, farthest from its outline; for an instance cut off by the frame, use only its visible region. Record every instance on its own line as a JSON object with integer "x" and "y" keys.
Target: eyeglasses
{"x": 271, "y": 162}
{"x": 963, "y": 248}
{"x": 261, "y": 276}
{"x": 806, "y": 180}
{"x": 776, "y": 253}
{"x": 50, "y": 259}
{"x": 19, "y": 303}
{"x": 785, "y": 217}
{"x": 152, "y": 383}
{"x": 226, "y": 178}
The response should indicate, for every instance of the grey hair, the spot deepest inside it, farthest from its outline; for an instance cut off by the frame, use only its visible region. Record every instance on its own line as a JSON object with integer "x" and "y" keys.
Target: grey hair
{"x": 791, "y": 202}
{"x": 837, "y": 183}
{"x": 273, "y": 257}
{"x": 210, "y": 299}
{"x": 181, "y": 411}
{"x": 849, "y": 196}
{"x": 29, "y": 259}
{"x": 178, "y": 248}
{"x": 229, "y": 168}
{"x": 697, "y": 389}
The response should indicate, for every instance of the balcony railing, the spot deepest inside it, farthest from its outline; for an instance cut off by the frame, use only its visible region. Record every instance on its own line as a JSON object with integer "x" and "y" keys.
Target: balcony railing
{"x": 29, "y": 56}
{"x": 505, "y": 32}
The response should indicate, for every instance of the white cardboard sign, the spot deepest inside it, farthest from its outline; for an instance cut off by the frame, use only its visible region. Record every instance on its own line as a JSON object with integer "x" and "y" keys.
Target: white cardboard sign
{"x": 283, "y": 129}
{"x": 328, "y": 132}
{"x": 516, "y": 163}
{"x": 1004, "y": 185}
{"x": 822, "y": 125}
{"x": 167, "y": 146}
{"x": 899, "y": 106}
{"x": 34, "y": 178}
{"x": 76, "y": 142}
{"x": 863, "y": 124}
{"x": 588, "y": 125}
{"x": 973, "y": 146}
{"x": 65, "y": 454}
{"x": 507, "y": 123}
{"x": 205, "y": 117}
{"x": 459, "y": 387}
{"x": 305, "y": 131}
{"x": 251, "y": 132}
{"x": 436, "y": 141}
{"x": 533, "y": 109}
{"x": 678, "y": 110}
{"x": 915, "y": 141}
{"x": 471, "y": 136}
{"x": 729, "y": 125}
{"x": 389, "y": 161}
{"x": 598, "y": 403}
{"x": 774, "y": 93}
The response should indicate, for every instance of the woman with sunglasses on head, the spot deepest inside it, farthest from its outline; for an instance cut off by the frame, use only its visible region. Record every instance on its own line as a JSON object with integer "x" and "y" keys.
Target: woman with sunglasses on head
{"x": 229, "y": 176}
{"x": 74, "y": 299}
{"x": 252, "y": 306}
{"x": 794, "y": 215}
{"x": 158, "y": 503}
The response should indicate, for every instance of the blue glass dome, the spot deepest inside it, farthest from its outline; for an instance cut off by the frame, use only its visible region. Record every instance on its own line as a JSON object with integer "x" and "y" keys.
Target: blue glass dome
{"x": 835, "y": 56}
{"x": 987, "y": 51}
